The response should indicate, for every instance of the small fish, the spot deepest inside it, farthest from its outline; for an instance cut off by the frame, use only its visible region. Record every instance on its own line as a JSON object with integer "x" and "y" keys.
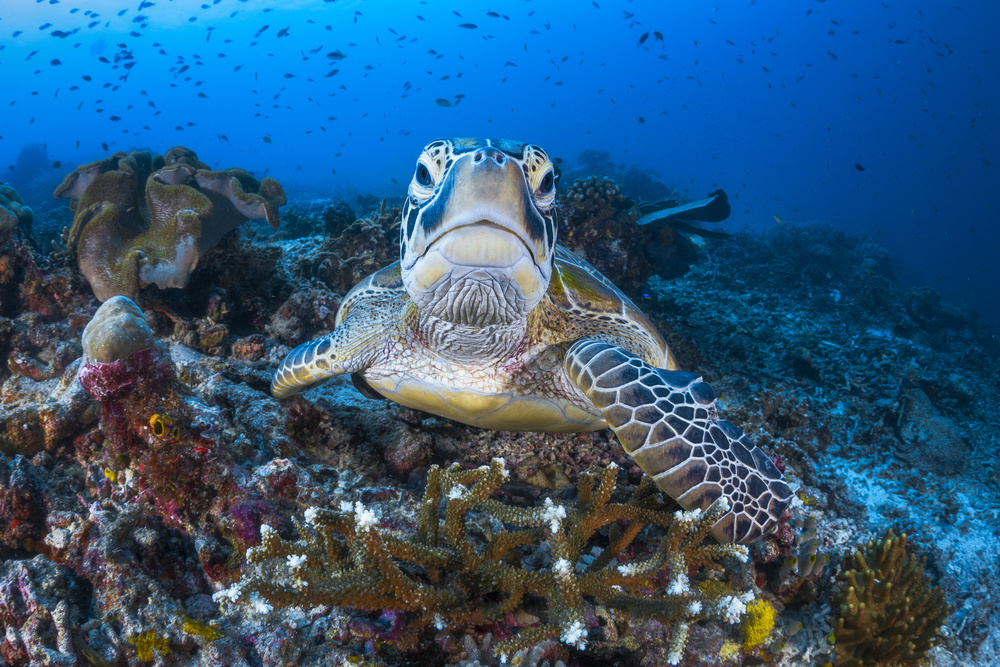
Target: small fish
{"x": 56, "y": 164}
{"x": 657, "y": 35}
{"x": 336, "y": 55}
{"x": 115, "y": 118}
{"x": 468, "y": 26}
{"x": 443, "y": 102}
{"x": 267, "y": 140}
{"x": 831, "y": 54}
{"x": 641, "y": 119}
{"x": 859, "y": 167}
{"x": 643, "y": 38}
{"x": 778, "y": 219}
{"x": 105, "y": 146}
{"x": 55, "y": 62}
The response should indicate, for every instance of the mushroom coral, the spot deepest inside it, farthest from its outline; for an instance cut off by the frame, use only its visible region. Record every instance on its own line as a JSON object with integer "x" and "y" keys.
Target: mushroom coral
{"x": 124, "y": 241}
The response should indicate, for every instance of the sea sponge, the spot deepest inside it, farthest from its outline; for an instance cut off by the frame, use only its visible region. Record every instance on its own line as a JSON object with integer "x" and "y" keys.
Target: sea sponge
{"x": 758, "y": 622}
{"x": 118, "y": 329}
{"x": 142, "y": 219}
{"x": 13, "y": 212}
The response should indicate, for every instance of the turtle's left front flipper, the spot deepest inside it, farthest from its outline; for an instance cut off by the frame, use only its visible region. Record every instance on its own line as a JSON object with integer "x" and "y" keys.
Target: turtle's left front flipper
{"x": 667, "y": 422}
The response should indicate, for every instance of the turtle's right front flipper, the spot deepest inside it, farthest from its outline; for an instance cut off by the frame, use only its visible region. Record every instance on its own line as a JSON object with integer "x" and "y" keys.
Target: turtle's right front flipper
{"x": 346, "y": 349}
{"x": 667, "y": 421}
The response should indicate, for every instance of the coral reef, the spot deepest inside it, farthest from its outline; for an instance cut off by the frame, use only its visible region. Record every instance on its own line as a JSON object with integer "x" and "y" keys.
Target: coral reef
{"x": 142, "y": 219}
{"x": 889, "y": 612}
{"x": 598, "y": 223}
{"x": 120, "y": 517}
{"x": 13, "y": 213}
{"x": 441, "y": 577}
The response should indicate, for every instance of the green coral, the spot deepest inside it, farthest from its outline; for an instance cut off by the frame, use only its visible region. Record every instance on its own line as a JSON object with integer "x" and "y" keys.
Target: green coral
{"x": 442, "y": 576}
{"x": 141, "y": 219}
{"x": 889, "y": 612}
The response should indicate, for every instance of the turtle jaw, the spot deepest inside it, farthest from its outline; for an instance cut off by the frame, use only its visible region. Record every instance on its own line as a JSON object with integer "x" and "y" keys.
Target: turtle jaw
{"x": 476, "y": 275}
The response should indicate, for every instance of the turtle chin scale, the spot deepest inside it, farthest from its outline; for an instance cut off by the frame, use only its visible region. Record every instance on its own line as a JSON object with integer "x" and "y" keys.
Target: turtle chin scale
{"x": 477, "y": 298}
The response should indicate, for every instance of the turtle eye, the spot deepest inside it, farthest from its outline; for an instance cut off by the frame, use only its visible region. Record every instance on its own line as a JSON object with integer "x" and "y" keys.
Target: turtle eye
{"x": 547, "y": 185}
{"x": 423, "y": 176}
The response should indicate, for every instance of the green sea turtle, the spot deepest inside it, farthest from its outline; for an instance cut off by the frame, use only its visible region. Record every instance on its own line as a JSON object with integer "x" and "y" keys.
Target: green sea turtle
{"x": 485, "y": 320}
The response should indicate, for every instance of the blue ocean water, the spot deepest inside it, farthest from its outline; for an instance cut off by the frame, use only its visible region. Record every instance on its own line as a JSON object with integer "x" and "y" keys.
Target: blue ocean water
{"x": 875, "y": 117}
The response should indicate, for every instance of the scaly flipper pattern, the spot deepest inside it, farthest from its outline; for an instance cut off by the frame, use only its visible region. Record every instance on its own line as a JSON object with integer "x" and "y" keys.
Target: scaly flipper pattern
{"x": 667, "y": 422}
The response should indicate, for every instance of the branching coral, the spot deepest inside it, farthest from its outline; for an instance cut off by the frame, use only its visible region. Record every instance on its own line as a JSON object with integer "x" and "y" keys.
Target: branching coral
{"x": 889, "y": 612}
{"x": 141, "y": 219}
{"x": 441, "y": 576}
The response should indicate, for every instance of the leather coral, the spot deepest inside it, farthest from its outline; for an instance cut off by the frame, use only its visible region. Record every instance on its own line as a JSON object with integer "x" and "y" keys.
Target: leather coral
{"x": 142, "y": 219}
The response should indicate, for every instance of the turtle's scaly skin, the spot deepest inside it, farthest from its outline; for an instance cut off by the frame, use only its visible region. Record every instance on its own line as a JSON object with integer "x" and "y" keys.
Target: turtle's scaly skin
{"x": 485, "y": 320}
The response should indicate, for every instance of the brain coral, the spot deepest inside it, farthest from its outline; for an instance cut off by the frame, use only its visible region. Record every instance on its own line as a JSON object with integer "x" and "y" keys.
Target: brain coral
{"x": 141, "y": 219}
{"x": 118, "y": 329}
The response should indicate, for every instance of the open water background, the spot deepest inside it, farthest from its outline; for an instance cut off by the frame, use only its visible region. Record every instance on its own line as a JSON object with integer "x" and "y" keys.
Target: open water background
{"x": 875, "y": 117}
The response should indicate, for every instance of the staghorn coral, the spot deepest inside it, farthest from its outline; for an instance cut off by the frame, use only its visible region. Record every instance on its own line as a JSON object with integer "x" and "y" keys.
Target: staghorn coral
{"x": 141, "y": 219}
{"x": 441, "y": 577}
{"x": 889, "y": 612}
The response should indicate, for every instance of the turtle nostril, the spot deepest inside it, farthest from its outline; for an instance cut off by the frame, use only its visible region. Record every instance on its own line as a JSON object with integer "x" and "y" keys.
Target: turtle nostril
{"x": 478, "y": 157}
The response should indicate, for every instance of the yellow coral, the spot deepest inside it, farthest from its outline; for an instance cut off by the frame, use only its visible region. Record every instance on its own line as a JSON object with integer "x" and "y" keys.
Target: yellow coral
{"x": 730, "y": 650}
{"x": 757, "y": 623}
{"x": 193, "y": 627}
{"x": 148, "y": 645}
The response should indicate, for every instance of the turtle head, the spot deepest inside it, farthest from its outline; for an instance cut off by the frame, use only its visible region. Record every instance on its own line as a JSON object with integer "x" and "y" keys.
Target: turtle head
{"x": 478, "y": 232}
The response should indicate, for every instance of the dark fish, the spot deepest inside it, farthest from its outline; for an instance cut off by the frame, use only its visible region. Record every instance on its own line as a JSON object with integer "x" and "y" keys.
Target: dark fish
{"x": 336, "y": 55}
{"x": 16, "y": 33}
{"x": 267, "y": 140}
{"x": 45, "y": 26}
{"x": 470, "y": 26}
{"x": 56, "y": 164}
{"x": 283, "y": 32}
{"x": 105, "y": 146}
{"x": 642, "y": 40}
{"x": 657, "y": 35}
{"x": 55, "y": 61}
{"x": 832, "y": 54}
{"x": 443, "y": 102}
{"x": 493, "y": 14}
{"x": 859, "y": 167}
{"x": 115, "y": 118}
{"x": 641, "y": 119}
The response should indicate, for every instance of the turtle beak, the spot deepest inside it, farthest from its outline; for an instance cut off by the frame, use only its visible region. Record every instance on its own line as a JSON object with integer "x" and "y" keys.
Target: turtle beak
{"x": 485, "y": 187}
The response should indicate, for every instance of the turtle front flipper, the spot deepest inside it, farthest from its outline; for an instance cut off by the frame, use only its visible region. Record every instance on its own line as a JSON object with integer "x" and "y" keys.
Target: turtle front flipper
{"x": 667, "y": 422}
{"x": 346, "y": 349}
